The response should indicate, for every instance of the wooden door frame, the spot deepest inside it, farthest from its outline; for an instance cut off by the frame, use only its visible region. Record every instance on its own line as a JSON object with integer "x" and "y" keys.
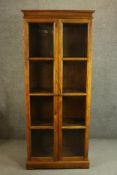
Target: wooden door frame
{"x": 27, "y": 85}
{"x": 88, "y": 84}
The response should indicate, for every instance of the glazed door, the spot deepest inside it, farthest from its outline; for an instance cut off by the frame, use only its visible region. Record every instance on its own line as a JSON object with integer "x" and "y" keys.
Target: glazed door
{"x": 42, "y": 86}
{"x": 73, "y": 88}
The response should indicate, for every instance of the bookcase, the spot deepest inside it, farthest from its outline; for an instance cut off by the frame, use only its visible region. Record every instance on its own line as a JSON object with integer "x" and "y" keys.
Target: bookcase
{"x": 57, "y": 56}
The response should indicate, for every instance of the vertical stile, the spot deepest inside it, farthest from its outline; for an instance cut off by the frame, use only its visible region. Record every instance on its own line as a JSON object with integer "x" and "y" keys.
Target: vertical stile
{"x": 55, "y": 84}
{"x": 88, "y": 88}
{"x": 27, "y": 98}
{"x": 60, "y": 52}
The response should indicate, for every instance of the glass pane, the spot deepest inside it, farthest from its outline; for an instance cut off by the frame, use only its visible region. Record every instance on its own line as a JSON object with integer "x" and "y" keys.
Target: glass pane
{"x": 72, "y": 143}
{"x": 40, "y": 40}
{"x": 74, "y": 40}
{"x": 42, "y": 143}
{"x": 41, "y": 76}
{"x": 41, "y": 110}
{"x": 74, "y": 110}
{"x": 74, "y": 76}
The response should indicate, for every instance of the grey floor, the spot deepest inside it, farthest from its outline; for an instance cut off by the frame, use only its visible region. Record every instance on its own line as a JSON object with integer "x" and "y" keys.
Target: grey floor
{"x": 103, "y": 158}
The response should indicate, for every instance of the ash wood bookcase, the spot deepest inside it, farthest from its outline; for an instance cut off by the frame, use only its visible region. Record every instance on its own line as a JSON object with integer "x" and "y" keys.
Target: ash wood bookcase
{"x": 57, "y": 54}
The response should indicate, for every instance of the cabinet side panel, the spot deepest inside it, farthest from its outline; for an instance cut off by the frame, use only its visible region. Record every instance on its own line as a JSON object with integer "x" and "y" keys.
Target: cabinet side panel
{"x": 27, "y": 100}
{"x": 88, "y": 88}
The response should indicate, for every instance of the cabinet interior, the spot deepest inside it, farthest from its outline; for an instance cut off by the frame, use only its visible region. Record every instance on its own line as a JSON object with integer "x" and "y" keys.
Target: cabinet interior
{"x": 73, "y": 143}
{"x": 41, "y": 76}
{"x": 74, "y": 76}
{"x": 74, "y": 110}
{"x": 41, "y": 110}
{"x": 42, "y": 143}
{"x": 40, "y": 40}
{"x": 75, "y": 40}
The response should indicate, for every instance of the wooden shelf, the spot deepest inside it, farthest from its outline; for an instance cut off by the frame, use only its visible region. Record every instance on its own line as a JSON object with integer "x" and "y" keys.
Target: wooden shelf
{"x": 75, "y": 59}
{"x": 40, "y": 59}
{"x": 37, "y": 124}
{"x": 41, "y": 127}
{"x": 73, "y": 126}
{"x": 63, "y": 94}
{"x": 40, "y": 94}
{"x": 75, "y": 94}
{"x": 41, "y": 158}
{"x": 73, "y": 158}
